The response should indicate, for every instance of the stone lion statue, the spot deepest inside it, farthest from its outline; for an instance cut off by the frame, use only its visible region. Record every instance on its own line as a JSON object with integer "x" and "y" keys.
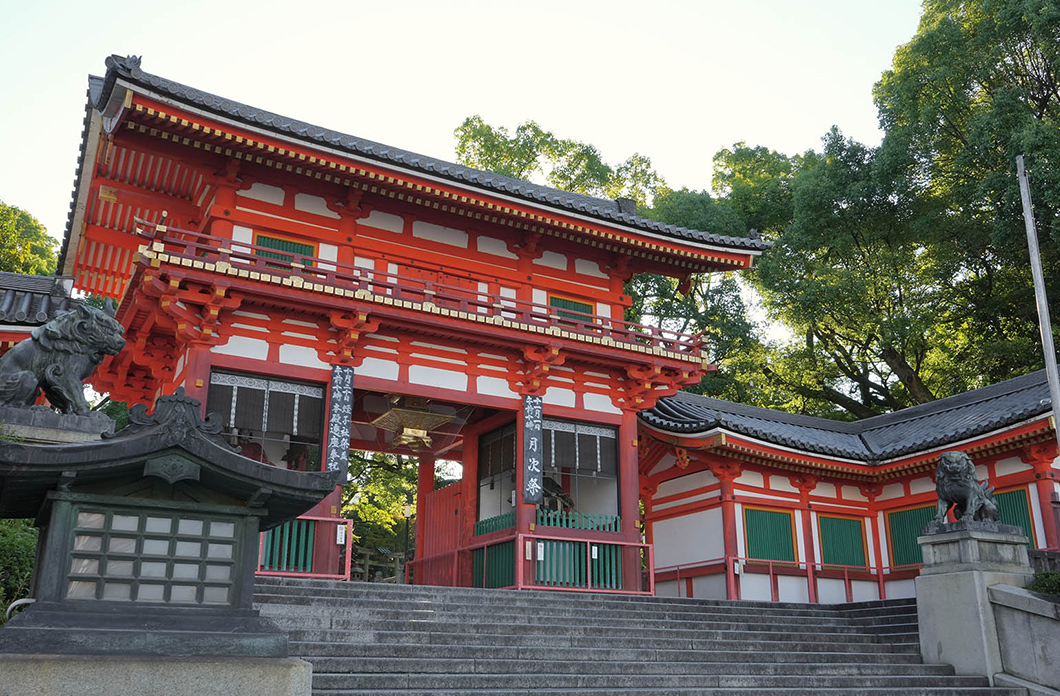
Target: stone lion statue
{"x": 957, "y": 488}
{"x": 58, "y": 357}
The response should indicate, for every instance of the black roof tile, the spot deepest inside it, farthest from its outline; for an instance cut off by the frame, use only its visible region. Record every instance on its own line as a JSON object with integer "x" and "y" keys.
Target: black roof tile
{"x": 128, "y": 68}
{"x": 27, "y": 300}
{"x": 871, "y": 440}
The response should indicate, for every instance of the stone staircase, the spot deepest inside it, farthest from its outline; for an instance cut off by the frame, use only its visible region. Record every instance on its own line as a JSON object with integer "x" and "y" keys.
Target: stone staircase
{"x": 369, "y": 639}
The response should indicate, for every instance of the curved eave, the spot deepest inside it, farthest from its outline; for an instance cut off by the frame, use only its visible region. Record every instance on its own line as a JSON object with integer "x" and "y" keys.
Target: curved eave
{"x": 27, "y": 472}
{"x": 726, "y": 442}
{"x": 469, "y": 182}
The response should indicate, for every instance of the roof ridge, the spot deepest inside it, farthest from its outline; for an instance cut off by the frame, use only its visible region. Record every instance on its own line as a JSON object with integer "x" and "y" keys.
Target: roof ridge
{"x": 601, "y": 208}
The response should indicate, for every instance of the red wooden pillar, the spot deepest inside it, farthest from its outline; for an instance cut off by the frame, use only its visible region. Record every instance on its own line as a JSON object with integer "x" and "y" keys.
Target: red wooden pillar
{"x": 1041, "y": 457}
{"x": 727, "y": 471}
{"x": 870, "y": 492}
{"x": 468, "y": 505}
{"x": 424, "y": 488}
{"x": 629, "y": 499}
{"x": 805, "y": 484}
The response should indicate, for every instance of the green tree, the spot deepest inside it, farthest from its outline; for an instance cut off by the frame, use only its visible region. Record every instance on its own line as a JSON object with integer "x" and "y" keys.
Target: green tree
{"x": 377, "y": 491}
{"x": 532, "y": 153}
{"x": 978, "y": 85}
{"x": 25, "y": 246}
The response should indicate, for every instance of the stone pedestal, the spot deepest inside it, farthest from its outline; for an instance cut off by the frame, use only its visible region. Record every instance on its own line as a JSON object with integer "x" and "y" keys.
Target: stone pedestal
{"x": 42, "y": 425}
{"x": 961, "y": 561}
{"x": 126, "y": 675}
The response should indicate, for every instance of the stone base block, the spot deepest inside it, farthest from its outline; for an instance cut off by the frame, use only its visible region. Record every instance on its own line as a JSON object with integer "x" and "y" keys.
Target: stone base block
{"x": 117, "y": 675}
{"x": 42, "y": 425}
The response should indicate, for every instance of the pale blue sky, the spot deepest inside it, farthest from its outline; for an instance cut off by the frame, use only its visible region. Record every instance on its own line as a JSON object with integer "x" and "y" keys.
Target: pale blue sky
{"x": 675, "y": 81}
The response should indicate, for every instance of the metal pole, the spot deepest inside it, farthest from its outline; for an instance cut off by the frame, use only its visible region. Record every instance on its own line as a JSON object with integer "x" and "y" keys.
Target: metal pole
{"x": 1039, "y": 295}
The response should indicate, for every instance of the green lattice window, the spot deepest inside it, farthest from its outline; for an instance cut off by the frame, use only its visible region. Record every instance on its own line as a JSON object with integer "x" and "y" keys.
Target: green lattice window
{"x": 1015, "y": 509}
{"x": 284, "y": 249}
{"x": 842, "y": 541}
{"x": 769, "y": 534}
{"x": 903, "y": 527}
{"x": 571, "y": 309}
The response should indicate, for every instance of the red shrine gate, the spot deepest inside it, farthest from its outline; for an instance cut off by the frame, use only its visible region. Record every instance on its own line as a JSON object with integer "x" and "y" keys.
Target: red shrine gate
{"x": 321, "y": 292}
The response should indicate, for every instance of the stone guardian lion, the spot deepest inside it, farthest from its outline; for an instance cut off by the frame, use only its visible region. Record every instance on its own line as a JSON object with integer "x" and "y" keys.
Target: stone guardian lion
{"x": 58, "y": 357}
{"x": 957, "y": 488}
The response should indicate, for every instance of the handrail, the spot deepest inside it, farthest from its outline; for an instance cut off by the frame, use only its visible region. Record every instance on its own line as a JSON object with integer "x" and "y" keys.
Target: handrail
{"x": 197, "y": 248}
{"x": 734, "y": 566}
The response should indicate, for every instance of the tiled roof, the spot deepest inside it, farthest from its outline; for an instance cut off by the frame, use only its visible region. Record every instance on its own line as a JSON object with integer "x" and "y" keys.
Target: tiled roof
{"x": 870, "y": 440}
{"x": 27, "y": 300}
{"x": 128, "y": 68}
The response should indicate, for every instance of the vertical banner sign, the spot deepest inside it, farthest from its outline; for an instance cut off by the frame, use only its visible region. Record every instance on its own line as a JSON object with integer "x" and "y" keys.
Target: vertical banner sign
{"x": 340, "y": 417}
{"x": 532, "y": 448}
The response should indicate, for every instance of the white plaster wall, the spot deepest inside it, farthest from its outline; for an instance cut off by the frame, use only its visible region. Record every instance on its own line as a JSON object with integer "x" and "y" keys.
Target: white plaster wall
{"x": 667, "y": 589}
{"x": 437, "y": 377}
{"x": 540, "y": 296}
{"x": 329, "y": 252}
{"x": 1036, "y": 517}
{"x": 374, "y": 367}
{"x": 709, "y": 586}
{"x": 683, "y": 484}
{"x": 316, "y": 205}
{"x": 494, "y": 386}
{"x": 755, "y": 587}
{"x": 793, "y": 589}
{"x": 244, "y": 235}
{"x": 241, "y": 346}
{"x": 853, "y": 493}
{"x": 895, "y": 490}
{"x": 303, "y": 356}
{"x": 601, "y": 403}
{"x": 496, "y": 247}
{"x": 552, "y": 260}
{"x": 589, "y": 268}
{"x": 688, "y": 539}
{"x": 555, "y": 396}
{"x": 900, "y": 589}
{"x": 921, "y": 485}
{"x": 864, "y": 590}
{"x": 825, "y": 490}
{"x": 782, "y": 483}
{"x": 263, "y": 192}
{"x": 1011, "y": 465}
{"x": 751, "y": 478}
{"x": 831, "y": 591}
{"x": 384, "y": 221}
{"x": 437, "y": 233}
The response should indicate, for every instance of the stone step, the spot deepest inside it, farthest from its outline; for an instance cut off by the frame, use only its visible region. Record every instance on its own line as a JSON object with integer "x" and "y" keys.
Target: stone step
{"x": 695, "y": 691}
{"x": 538, "y": 682}
{"x": 312, "y": 650}
{"x": 575, "y": 642}
{"x": 613, "y": 665}
{"x": 533, "y": 597}
{"x": 647, "y": 617}
{"x": 535, "y": 626}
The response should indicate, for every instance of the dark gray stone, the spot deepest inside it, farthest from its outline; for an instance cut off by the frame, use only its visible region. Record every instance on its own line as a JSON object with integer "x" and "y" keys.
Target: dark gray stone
{"x": 58, "y": 357}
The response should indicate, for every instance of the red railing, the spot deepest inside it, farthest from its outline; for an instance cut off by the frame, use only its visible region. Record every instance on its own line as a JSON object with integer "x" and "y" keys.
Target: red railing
{"x": 194, "y": 249}
{"x": 634, "y": 561}
{"x": 734, "y": 567}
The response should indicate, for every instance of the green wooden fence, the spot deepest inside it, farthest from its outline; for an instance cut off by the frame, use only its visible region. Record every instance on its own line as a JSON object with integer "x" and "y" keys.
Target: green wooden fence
{"x": 569, "y": 519}
{"x": 494, "y": 566}
{"x": 289, "y": 547}
{"x": 564, "y": 564}
{"x": 842, "y": 541}
{"x": 495, "y": 524}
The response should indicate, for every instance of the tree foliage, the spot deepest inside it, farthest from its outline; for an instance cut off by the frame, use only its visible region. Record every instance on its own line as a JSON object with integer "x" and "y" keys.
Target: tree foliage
{"x": 532, "y": 153}
{"x": 25, "y": 246}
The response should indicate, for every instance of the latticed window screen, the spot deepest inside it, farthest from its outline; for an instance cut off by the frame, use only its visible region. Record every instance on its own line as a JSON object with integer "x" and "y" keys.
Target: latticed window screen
{"x": 1015, "y": 509}
{"x": 842, "y": 541}
{"x": 903, "y": 527}
{"x": 284, "y": 245}
{"x": 574, "y": 309}
{"x": 769, "y": 534}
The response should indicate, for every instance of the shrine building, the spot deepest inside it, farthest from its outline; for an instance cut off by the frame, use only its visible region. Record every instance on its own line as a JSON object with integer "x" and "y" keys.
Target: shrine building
{"x": 322, "y": 293}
